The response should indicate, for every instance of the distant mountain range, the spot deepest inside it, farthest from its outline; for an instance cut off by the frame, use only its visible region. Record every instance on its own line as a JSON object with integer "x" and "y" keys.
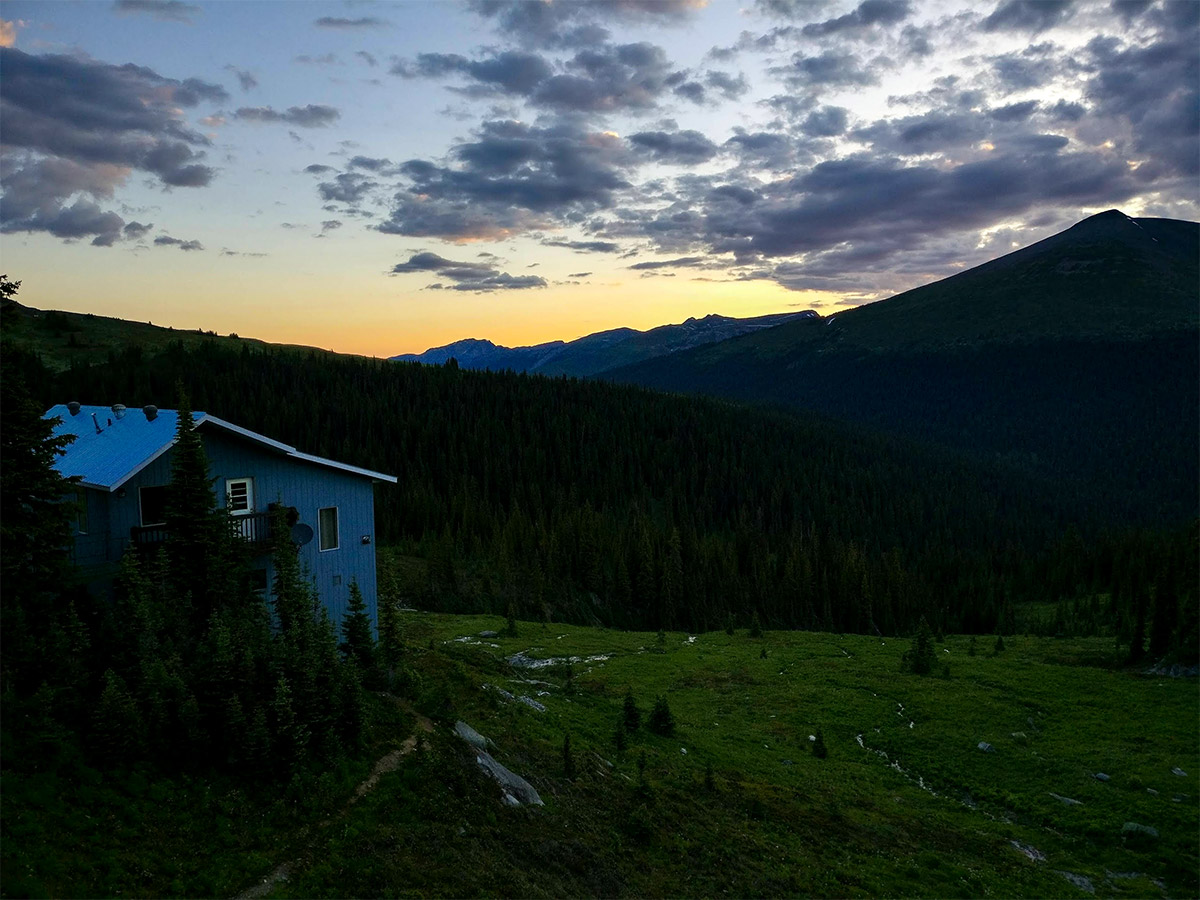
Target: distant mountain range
{"x": 599, "y": 352}
{"x": 1074, "y": 358}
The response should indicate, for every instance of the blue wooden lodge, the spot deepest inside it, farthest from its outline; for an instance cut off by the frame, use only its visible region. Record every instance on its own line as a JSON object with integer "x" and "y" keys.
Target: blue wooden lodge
{"x": 123, "y": 460}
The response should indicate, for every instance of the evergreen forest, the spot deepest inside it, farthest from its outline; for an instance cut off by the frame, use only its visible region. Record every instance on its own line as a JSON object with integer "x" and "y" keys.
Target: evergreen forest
{"x": 559, "y": 499}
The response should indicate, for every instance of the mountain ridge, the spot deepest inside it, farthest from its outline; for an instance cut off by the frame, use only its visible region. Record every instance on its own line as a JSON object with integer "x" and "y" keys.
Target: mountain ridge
{"x": 600, "y": 351}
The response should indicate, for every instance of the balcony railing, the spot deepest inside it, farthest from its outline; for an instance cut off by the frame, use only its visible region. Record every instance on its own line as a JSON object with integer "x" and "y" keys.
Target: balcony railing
{"x": 254, "y": 528}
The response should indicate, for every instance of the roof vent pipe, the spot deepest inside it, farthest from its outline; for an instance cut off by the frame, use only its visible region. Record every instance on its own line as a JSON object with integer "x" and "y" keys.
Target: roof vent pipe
{"x": 151, "y": 412}
{"x": 119, "y": 410}
{"x": 73, "y": 407}
{"x": 96, "y": 422}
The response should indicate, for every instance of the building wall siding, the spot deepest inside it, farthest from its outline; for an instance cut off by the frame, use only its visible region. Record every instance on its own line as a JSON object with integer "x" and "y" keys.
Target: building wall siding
{"x": 305, "y": 486}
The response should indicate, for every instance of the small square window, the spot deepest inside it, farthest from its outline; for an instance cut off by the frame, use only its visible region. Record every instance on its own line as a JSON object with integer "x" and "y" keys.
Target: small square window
{"x": 239, "y": 495}
{"x": 327, "y": 521}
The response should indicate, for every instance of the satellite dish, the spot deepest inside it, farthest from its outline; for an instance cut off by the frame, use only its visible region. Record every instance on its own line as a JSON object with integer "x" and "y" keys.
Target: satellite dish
{"x": 301, "y": 534}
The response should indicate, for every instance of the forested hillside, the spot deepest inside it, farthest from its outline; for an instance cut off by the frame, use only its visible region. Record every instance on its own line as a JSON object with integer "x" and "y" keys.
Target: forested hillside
{"x": 1072, "y": 360}
{"x": 597, "y": 503}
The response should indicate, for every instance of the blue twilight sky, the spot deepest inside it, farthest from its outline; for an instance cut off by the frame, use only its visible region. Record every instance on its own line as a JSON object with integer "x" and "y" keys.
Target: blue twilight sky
{"x": 384, "y": 177}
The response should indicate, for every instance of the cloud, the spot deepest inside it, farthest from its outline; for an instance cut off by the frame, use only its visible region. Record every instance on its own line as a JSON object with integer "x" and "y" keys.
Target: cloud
{"x": 866, "y": 14}
{"x": 585, "y": 246}
{"x": 510, "y": 72}
{"x": 348, "y": 187}
{"x": 325, "y": 59}
{"x": 330, "y": 225}
{"x": 371, "y": 164}
{"x": 163, "y": 10}
{"x": 602, "y": 78}
{"x": 77, "y": 126}
{"x": 729, "y": 87}
{"x": 168, "y": 241}
{"x": 467, "y": 276}
{"x": 1153, "y": 91}
{"x": 319, "y": 169}
{"x": 341, "y": 24}
{"x": 832, "y": 68}
{"x": 366, "y": 57}
{"x": 678, "y": 147}
{"x": 245, "y": 78}
{"x": 551, "y": 23}
{"x": 1027, "y": 15}
{"x": 8, "y": 33}
{"x": 681, "y": 262}
{"x": 137, "y": 230}
{"x": 512, "y": 177}
{"x": 828, "y": 121}
{"x": 311, "y": 116}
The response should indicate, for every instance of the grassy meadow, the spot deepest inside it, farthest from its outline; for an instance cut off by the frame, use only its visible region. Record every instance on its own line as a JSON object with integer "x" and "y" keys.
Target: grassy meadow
{"x": 735, "y": 802}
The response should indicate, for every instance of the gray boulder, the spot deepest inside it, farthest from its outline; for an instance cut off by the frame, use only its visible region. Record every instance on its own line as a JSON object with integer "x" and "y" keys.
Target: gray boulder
{"x": 1100, "y": 776}
{"x": 470, "y": 735}
{"x": 516, "y": 789}
{"x": 1178, "y": 771}
{"x": 489, "y": 634}
{"x": 986, "y": 747}
{"x": 1134, "y": 829}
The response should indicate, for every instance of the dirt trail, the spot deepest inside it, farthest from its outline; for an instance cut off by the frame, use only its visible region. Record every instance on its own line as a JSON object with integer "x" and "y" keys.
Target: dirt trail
{"x": 386, "y": 764}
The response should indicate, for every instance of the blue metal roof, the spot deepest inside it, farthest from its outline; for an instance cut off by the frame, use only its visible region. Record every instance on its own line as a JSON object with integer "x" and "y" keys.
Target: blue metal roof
{"x": 108, "y": 451}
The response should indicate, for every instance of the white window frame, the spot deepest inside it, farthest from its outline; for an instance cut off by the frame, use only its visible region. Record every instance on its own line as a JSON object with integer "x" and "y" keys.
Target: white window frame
{"x": 249, "y": 483}
{"x": 337, "y": 543}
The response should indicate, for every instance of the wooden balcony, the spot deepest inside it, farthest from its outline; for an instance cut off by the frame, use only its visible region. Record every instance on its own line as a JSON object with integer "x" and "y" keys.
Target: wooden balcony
{"x": 254, "y": 528}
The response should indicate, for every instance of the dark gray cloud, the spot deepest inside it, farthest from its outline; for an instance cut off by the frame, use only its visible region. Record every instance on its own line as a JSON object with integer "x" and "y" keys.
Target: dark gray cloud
{"x": 319, "y": 169}
{"x": 551, "y": 23}
{"x": 684, "y": 147}
{"x": 866, "y": 14}
{"x": 929, "y": 133}
{"x": 509, "y": 72}
{"x": 78, "y": 126}
{"x": 1155, "y": 89}
{"x": 832, "y": 68}
{"x": 330, "y": 225}
{"x": 513, "y": 176}
{"x": 325, "y": 59}
{"x": 603, "y": 78}
{"x": 1015, "y": 112}
{"x": 585, "y": 246}
{"x": 163, "y": 10}
{"x": 349, "y": 187}
{"x": 1031, "y": 67}
{"x": 1027, "y": 15}
{"x": 726, "y": 85}
{"x": 137, "y": 230}
{"x": 465, "y": 275}
{"x": 343, "y": 24}
{"x": 828, "y": 121}
{"x": 314, "y": 115}
{"x": 168, "y": 241}
{"x": 680, "y": 263}
{"x": 366, "y": 57}
{"x": 371, "y": 164}
{"x": 245, "y": 78}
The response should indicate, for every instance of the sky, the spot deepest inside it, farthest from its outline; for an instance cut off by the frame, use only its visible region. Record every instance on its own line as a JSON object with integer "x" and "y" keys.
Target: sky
{"x": 381, "y": 178}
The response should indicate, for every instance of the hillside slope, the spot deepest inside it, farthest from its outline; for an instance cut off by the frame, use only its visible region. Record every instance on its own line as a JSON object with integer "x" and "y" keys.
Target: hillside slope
{"x": 1075, "y": 358}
